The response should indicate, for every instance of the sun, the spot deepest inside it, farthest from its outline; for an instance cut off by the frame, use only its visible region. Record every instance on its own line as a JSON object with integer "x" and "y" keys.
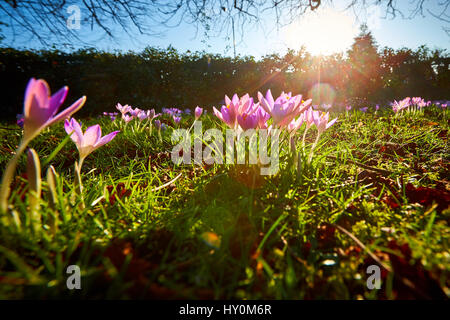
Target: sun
{"x": 323, "y": 32}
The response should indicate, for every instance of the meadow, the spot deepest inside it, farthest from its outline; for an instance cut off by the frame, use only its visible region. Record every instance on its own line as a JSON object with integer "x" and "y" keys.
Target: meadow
{"x": 374, "y": 191}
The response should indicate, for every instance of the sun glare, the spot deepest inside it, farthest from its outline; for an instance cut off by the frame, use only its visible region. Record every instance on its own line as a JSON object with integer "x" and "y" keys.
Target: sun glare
{"x": 321, "y": 32}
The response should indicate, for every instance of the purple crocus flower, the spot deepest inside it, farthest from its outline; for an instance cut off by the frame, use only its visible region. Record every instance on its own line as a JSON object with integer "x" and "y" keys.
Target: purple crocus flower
{"x": 416, "y": 100}
{"x": 322, "y": 123}
{"x": 123, "y": 109}
{"x": 326, "y": 107}
{"x": 176, "y": 119}
{"x": 422, "y": 104}
{"x": 20, "y": 120}
{"x": 235, "y": 107}
{"x": 227, "y": 115}
{"x": 127, "y": 118}
{"x": 90, "y": 140}
{"x": 310, "y": 115}
{"x": 142, "y": 115}
{"x": 248, "y": 120}
{"x": 40, "y": 108}
{"x": 158, "y": 124}
{"x": 167, "y": 111}
{"x": 296, "y": 124}
{"x": 400, "y": 105}
{"x": 284, "y": 108}
{"x": 111, "y": 115}
{"x": 263, "y": 117}
{"x": 348, "y": 108}
{"x": 363, "y": 109}
{"x": 198, "y": 112}
{"x": 172, "y": 111}
{"x": 135, "y": 112}
{"x": 377, "y": 107}
{"x": 232, "y": 108}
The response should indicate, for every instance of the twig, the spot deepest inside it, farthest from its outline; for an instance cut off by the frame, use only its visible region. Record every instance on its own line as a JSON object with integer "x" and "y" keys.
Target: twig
{"x": 359, "y": 243}
{"x": 362, "y": 165}
{"x": 166, "y": 184}
{"x": 405, "y": 281}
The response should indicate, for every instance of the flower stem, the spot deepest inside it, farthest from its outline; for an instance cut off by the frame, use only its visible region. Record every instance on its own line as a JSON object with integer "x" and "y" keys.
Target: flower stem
{"x": 8, "y": 176}
{"x": 78, "y": 183}
{"x": 312, "y": 148}
{"x": 303, "y": 139}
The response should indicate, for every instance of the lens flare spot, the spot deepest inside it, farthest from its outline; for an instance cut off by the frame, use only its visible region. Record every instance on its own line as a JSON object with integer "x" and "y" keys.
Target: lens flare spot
{"x": 322, "y": 93}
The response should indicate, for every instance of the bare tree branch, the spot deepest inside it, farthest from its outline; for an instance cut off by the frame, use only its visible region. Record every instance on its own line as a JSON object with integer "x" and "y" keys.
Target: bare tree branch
{"x": 45, "y": 20}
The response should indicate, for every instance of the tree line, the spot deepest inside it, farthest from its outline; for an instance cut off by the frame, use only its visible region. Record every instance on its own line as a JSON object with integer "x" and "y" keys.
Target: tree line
{"x": 156, "y": 78}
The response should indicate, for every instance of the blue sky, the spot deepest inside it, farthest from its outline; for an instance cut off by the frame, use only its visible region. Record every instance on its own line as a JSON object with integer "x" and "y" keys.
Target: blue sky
{"x": 327, "y": 30}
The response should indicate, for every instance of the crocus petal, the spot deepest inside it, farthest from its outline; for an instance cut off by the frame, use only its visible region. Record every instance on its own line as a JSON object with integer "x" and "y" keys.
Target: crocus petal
{"x": 235, "y": 99}
{"x": 36, "y": 96}
{"x": 269, "y": 97}
{"x": 74, "y": 127}
{"x": 227, "y": 116}
{"x": 56, "y": 101}
{"x": 264, "y": 104}
{"x": 36, "y": 102}
{"x": 218, "y": 114}
{"x": 227, "y": 100}
{"x": 198, "y": 112}
{"x": 68, "y": 111}
{"x": 91, "y": 136}
{"x": 28, "y": 95}
{"x": 331, "y": 123}
{"x": 68, "y": 127}
{"x": 104, "y": 140}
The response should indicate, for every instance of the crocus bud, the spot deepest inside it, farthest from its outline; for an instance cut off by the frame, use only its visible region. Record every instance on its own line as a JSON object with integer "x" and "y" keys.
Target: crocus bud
{"x": 158, "y": 124}
{"x": 198, "y": 112}
{"x": 34, "y": 183}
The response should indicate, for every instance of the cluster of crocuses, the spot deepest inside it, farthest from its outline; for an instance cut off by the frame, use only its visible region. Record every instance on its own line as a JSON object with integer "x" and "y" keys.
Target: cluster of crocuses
{"x": 176, "y": 113}
{"x": 287, "y": 112}
{"x": 39, "y": 112}
{"x": 242, "y": 112}
{"x": 349, "y": 108}
{"x": 409, "y": 104}
{"x": 129, "y": 113}
{"x": 111, "y": 115}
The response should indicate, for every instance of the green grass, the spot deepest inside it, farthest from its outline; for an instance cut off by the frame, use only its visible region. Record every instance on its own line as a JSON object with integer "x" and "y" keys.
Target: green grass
{"x": 288, "y": 236}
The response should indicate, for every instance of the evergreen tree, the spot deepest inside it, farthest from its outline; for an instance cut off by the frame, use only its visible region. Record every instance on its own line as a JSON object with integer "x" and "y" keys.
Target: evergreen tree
{"x": 365, "y": 69}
